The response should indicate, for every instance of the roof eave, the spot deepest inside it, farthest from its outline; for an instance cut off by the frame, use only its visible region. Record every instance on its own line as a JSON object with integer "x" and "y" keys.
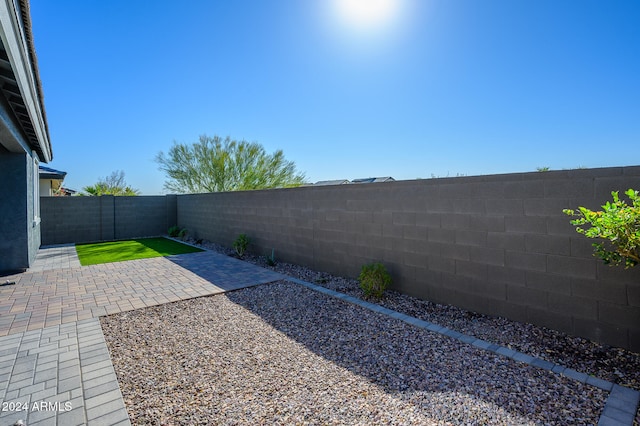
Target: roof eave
{"x": 17, "y": 40}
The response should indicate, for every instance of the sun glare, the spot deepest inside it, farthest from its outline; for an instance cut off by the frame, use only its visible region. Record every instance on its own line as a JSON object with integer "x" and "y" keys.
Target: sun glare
{"x": 366, "y": 14}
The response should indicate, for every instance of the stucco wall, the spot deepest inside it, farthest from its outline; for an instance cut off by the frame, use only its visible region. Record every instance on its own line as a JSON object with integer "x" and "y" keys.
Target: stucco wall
{"x": 19, "y": 231}
{"x": 493, "y": 244}
{"x": 13, "y": 216}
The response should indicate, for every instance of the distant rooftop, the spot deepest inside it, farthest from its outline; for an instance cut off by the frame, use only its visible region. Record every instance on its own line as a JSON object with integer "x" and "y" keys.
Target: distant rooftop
{"x": 374, "y": 180}
{"x": 332, "y": 182}
{"x": 361, "y": 180}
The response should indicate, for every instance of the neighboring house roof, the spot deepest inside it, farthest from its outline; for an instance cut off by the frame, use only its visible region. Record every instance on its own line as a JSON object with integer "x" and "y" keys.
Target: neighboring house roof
{"x": 49, "y": 173}
{"x": 20, "y": 80}
{"x": 346, "y": 182}
{"x": 331, "y": 182}
{"x": 374, "y": 180}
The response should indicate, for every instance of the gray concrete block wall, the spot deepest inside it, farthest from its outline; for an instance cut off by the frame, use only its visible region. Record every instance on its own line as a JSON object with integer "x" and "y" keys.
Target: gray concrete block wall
{"x": 171, "y": 209}
{"x": 71, "y": 219}
{"x": 89, "y": 219}
{"x": 494, "y": 244}
{"x": 140, "y": 216}
{"x": 107, "y": 218}
{"x": 222, "y": 217}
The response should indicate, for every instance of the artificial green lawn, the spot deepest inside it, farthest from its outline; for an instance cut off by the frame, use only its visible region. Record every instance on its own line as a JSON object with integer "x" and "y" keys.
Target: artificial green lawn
{"x": 118, "y": 251}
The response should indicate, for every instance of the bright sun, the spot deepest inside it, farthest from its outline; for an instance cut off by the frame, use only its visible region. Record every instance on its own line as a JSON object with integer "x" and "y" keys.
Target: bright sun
{"x": 367, "y": 14}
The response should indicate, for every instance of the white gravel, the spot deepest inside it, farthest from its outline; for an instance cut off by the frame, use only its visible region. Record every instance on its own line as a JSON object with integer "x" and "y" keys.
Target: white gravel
{"x": 283, "y": 354}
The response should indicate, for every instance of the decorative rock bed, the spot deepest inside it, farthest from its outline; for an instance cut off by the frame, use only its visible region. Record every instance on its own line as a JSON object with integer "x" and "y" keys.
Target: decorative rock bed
{"x": 283, "y": 354}
{"x": 605, "y": 362}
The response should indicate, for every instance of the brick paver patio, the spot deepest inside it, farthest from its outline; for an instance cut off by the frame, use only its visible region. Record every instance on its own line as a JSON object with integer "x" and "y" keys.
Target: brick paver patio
{"x": 55, "y": 367}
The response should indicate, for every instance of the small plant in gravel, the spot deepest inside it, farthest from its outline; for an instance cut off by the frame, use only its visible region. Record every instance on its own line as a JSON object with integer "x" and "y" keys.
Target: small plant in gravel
{"x": 240, "y": 244}
{"x": 618, "y": 225}
{"x": 271, "y": 260}
{"x": 374, "y": 280}
{"x": 177, "y": 232}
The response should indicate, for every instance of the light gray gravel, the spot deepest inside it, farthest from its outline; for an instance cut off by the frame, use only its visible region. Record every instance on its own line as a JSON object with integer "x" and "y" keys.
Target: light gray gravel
{"x": 283, "y": 354}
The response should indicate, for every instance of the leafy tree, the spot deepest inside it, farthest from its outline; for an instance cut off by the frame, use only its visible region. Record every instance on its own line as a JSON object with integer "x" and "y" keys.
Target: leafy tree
{"x": 618, "y": 225}
{"x": 214, "y": 164}
{"x": 113, "y": 184}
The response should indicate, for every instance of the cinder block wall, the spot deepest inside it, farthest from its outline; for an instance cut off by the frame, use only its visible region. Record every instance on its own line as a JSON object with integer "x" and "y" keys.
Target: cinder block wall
{"x": 141, "y": 216}
{"x": 89, "y": 219}
{"x": 494, "y": 244}
{"x": 71, "y": 219}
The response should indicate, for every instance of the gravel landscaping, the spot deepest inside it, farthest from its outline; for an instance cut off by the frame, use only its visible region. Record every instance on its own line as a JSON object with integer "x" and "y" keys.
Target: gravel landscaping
{"x": 283, "y": 354}
{"x": 612, "y": 364}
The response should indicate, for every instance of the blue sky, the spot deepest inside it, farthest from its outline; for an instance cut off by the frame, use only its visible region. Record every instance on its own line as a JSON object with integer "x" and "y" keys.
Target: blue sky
{"x": 439, "y": 87}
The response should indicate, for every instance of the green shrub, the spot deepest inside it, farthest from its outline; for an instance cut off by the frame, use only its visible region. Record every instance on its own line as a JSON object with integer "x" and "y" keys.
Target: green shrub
{"x": 618, "y": 224}
{"x": 174, "y": 231}
{"x": 271, "y": 260}
{"x": 240, "y": 244}
{"x": 374, "y": 280}
{"x": 177, "y": 232}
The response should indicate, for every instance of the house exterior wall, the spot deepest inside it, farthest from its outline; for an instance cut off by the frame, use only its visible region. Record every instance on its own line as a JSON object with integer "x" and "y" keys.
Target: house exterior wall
{"x": 498, "y": 245}
{"x": 19, "y": 234}
{"x": 23, "y": 137}
{"x": 19, "y": 221}
{"x": 46, "y": 188}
